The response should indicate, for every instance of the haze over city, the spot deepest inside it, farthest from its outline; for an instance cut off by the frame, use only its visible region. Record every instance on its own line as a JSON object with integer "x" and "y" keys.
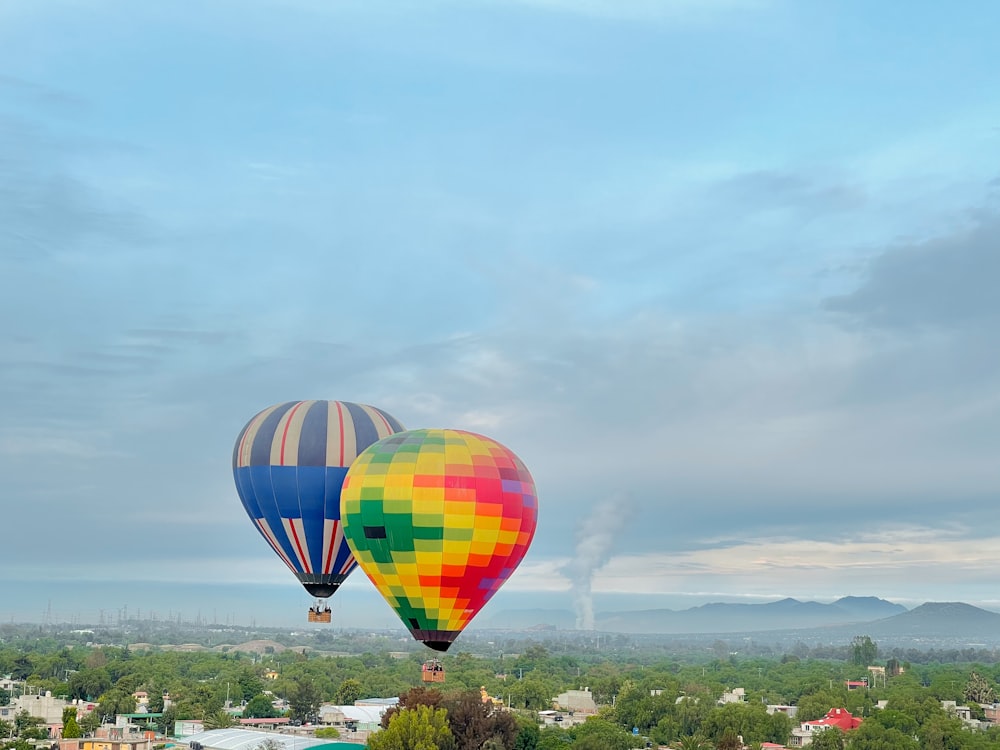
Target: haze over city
{"x": 722, "y": 273}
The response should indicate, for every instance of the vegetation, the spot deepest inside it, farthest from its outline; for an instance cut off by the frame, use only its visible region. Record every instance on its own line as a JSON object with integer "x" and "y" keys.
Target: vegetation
{"x": 666, "y": 695}
{"x": 418, "y": 728}
{"x": 71, "y": 729}
{"x": 220, "y": 719}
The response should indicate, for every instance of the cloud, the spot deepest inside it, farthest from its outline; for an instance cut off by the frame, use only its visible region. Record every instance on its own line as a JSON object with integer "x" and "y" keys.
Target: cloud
{"x": 774, "y": 190}
{"x": 947, "y": 282}
{"x": 630, "y": 253}
{"x": 905, "y": 563}
{"x": 37, "y": 94}
{"x": 45, "y": 211}
{"x": 52, "y": 444}
{"x": 627, "y": 10}
{"x": 897, "y": 565}
{"x": 675, "y": 11}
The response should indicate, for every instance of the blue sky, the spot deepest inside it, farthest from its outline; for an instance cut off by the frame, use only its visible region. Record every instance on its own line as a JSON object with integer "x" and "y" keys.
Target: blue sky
{"x": 720, "y": 272}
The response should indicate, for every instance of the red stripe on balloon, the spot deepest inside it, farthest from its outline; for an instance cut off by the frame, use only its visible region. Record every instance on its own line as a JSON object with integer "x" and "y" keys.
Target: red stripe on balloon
{"x": 328, "y": 565}
{"x": 298, "y": 546}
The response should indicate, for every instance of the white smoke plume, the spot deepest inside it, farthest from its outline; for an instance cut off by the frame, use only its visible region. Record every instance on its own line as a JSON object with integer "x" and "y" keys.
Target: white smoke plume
{"x": 595, "y": 538}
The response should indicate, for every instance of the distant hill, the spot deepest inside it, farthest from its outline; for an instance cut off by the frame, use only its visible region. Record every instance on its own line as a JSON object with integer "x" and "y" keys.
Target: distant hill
{"x": 713, "y": 618}
{"x": 869, "y": 607}
{"x": 747, "y": 618}
{"x": 940, "y": 620}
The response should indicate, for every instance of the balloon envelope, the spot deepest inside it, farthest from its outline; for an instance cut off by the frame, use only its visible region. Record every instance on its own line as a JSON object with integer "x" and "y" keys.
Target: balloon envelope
{"x": 438, "y": 520}
{"x": 289, "y": 464}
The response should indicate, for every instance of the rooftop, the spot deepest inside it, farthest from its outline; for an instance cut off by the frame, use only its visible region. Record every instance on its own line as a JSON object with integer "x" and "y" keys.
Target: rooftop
{"x": 248, "y": 739}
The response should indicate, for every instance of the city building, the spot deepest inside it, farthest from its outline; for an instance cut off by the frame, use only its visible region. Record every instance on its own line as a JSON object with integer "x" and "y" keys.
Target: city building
{"x": 576, "y": 700}
{"x": 789, "y": 711}
{"x": 736, "y": 695}
{"x": 40, "y": 705}
{"x": 838, "y": 718}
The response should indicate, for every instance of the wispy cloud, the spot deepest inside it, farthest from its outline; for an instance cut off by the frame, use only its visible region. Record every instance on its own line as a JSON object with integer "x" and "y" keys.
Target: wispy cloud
{"x": 895, "y": 566}
{"x": 686, "y": 11}
{"x": 943, "y": 282}
{"x": 55, "y": 444}
{"x": 904, "y": 564}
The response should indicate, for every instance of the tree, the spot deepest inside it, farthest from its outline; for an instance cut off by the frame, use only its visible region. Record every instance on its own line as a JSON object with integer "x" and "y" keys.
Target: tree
{"x": 729, "y": 741}
{"x": 608, "y": 736}
{"x": 91, "y": 720}
{"x": 830, "y": 738}
{"x": 893, "y": 719}
{"x": 71, "y": 729}
{"x": 979, "y": 690}
{"x": 348, "y": 692}
{"x": 527, "y": 735}
{"x": 21, "y": 668}
{"x": 88, "y": 684}
{"x": 115, "y": 702}
{"x": 473, "y": 722}
{"x": 30, "y": 727}
{"x": 864, "y": 650}
{"x": 197, "y": 702}
{"x": 816, "y": 705}
{"x": 749, "y": 720}
{"x": 304, "y": 700}
{"x": 419, "y": 728}
{"x": 220, "y": 719}
{"x": 418, "y": 696}
{"x": 533, "y": 692}
{"x": 259, "y": 707}
{"x": 327, "y": 733}
{"x": 247, "y": 684}
{"x": 635, "y": 707}
{"x": 553, "y": 738}
{"x": 693, "y": 742}
{"x": 690, "y": 714}
{"x": 873, "y": 736}
{"x": 941, "y": 733}
{"x": 156, "y": 702}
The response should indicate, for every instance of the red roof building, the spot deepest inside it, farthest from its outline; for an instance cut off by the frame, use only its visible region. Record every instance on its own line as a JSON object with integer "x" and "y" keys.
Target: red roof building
{"x": 840, "y": 718}
{"x": 835, "y": 717}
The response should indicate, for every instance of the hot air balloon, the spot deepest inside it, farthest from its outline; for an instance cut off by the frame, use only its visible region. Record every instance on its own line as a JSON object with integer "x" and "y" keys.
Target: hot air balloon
{"x": 438, "y": 520}
{"x": 289, "y": 464}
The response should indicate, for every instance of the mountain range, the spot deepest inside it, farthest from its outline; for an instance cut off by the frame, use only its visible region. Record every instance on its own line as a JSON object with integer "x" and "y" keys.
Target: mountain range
{"x": 712, "y": 618}
{"x": 937, "y": 622}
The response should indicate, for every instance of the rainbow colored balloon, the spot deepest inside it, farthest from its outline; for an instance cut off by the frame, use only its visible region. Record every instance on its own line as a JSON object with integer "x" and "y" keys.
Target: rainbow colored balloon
{"x": 438, "y": 520}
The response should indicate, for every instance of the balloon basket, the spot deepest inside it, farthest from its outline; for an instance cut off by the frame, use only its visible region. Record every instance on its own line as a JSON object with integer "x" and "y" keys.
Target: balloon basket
{"x": 432, "y": 671}
{"x": 316, "y": 614}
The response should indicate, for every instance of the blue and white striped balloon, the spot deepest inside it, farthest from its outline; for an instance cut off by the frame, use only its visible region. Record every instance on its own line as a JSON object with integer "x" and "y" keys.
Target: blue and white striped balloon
{"x": 289, "y": 463}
